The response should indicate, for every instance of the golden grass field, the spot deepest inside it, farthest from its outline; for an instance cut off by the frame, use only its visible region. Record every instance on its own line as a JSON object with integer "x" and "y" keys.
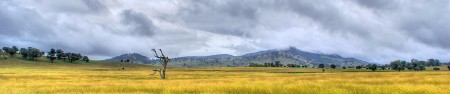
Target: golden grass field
{"x": 22, "y": 76}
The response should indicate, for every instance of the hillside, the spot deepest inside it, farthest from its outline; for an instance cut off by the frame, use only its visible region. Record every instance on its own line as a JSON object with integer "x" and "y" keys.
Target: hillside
{"x": 286, "y": 56}
{"x": 133, "y": 57}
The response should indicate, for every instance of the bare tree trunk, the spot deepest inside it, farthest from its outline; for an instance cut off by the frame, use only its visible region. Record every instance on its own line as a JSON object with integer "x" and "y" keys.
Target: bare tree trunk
{"x": 163, "y": 73}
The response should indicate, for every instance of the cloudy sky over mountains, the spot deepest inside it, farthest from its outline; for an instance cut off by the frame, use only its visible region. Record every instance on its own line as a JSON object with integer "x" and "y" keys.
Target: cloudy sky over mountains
{"x": 372, "y": 30}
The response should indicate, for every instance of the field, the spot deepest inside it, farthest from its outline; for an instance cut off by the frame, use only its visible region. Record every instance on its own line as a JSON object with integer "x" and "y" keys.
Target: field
{"x": 22, "y": 76}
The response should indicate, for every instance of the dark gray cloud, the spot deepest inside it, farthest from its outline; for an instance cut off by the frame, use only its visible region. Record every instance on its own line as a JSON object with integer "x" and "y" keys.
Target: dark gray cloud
{"x": 95, "y": 6}
{"x": 231, "y": 18}
{"x": 329, "y": 16}
{"x": 378, "y": 4}
{"x": 140, "y": 24}
{"x": 373, "y": 30}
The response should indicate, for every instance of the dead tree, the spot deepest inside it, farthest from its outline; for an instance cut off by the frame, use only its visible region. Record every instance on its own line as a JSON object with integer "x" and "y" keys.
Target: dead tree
{"x": 164, "y": 60}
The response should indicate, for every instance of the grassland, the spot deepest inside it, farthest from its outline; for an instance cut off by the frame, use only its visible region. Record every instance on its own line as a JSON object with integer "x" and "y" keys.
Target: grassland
{"x": 22, "y": 76}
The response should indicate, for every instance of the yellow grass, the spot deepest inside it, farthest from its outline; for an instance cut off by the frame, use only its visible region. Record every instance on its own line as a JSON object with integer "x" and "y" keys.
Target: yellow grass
{"x": 42, "y": 77}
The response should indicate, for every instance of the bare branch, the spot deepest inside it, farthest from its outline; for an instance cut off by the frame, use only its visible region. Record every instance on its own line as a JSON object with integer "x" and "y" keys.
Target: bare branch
{"x": 156, "y": 70}
{"x": 162, "y": 53}
{"x": 156, "y": 54}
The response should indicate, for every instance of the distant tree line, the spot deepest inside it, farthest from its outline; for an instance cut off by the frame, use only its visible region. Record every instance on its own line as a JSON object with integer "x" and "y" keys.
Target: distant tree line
{"x": 296, "y": 66}
{"x": 276, "y": 64}
{"x": 34, "y": 53}
{"x": 397, "y": 65}
{"x": 61, "y": 55}
{"x": 30, "y": 53}
{"x": 128, "y": 60}
{"x": 333, "y": 66}
{"x": 400, "y": 65}
{"x": 416, "y": 65}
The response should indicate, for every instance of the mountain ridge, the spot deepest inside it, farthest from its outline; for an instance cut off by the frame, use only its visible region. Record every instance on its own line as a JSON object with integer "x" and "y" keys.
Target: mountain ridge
{"x": 291, "y": 55}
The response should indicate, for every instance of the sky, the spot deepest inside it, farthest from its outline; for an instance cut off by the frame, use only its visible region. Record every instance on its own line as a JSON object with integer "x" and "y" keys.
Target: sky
{"x": 376, "y": 31}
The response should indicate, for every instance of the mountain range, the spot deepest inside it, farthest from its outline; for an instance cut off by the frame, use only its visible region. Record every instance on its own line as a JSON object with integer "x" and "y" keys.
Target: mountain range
{"x": 291, "y": 55}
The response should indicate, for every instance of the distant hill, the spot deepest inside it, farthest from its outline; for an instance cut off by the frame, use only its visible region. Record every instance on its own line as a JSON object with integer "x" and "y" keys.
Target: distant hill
{"x": 133, "y": 57}
{"x": 286, "y": 56}
{"x": 291, "y": 55}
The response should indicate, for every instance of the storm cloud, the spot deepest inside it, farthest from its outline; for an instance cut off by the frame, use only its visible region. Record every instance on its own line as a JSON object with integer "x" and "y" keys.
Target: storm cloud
{"x": 373, "y": 30}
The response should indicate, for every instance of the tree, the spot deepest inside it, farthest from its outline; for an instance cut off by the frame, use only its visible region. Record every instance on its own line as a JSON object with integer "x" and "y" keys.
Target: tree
{"x": 448, "y": 67}
{"x": 52, "y": 55}
{"x": 383, "y": 67}
{"x": 344, "y": 67}
{"x": 398, "y": 65}
{"x": 305, "y": 66}
{"x": 59, "y": 54}
{"x": 418, "y": 65}
{"x": 10, "y": 51}
{"x": 14, "y": 50}
{"x": 30, "y": 49}
{"x": 437, "y": 63}
{"x": 278, "y": 64}
{"x": 86, "y": 59}
{"x": 433, "y": 62}
{"x": 24, "y": 52}
{"x": 321, "y": 66}
{"x": 34, "y": 53}
{"x": 66, "y": 56}
{"x": 74, "y": 57}
{"x": 373, "y": 67}
{"x": 409, "y": 66}
{"x": 358, "y": 67}
{"x": 430, "y": 62}
{"x": 5, "y": 49}
{"x": 291, "y": 65}
{"x": 164, "y": 60}
{"x": 333, "y": 66}
{"x": 421, "y": 67}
